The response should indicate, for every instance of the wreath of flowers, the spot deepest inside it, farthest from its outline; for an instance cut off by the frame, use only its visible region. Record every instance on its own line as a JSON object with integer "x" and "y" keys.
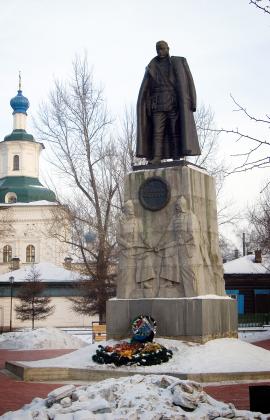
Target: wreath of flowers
{"x": 142, "y": 354}
{"x": 141, "y": 350}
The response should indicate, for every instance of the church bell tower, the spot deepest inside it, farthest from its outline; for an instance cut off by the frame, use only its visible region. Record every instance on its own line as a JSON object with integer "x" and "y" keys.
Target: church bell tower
{"x": 19, "y": 159}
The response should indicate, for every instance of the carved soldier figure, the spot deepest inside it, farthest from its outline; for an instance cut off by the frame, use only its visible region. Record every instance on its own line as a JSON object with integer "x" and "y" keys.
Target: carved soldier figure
{"x": 188, "y": 236}
{"x": 128, "y": 241}
{"x": 166, "y": 102}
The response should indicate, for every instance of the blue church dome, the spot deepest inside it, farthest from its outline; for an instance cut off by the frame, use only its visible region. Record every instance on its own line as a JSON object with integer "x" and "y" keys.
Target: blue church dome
{"x": 19, "y": 103}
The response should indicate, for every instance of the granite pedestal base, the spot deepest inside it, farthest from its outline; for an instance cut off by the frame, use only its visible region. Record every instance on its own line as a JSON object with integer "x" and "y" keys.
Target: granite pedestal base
{"x": 189, "y": 319}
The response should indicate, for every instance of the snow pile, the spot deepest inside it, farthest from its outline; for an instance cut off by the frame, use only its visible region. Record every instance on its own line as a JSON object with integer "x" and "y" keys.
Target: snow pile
{"x": 253, "y": 336}
{"x": 41, "y": 338}
{"x": 220, "y": 355}
{"x": 151, "y": 397}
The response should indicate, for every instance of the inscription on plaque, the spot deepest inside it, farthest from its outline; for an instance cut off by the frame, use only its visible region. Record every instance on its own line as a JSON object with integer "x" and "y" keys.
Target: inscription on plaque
{"x": 154, "y": 193}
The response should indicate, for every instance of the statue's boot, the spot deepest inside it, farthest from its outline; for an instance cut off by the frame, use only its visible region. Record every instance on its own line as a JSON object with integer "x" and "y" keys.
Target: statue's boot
{"x": 157, "y": 153}
{"x": 174, "y": 148}
{"x": 155, "y": 161}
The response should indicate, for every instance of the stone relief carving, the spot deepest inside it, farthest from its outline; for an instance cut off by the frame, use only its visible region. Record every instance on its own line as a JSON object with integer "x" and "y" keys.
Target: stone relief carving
{"x": 177, "y": 261}
{"x": 188, "y": 241}
{"x": 157, "y": 265}
{"x": 147, "y": 268}
{"x": 129, "y": 242}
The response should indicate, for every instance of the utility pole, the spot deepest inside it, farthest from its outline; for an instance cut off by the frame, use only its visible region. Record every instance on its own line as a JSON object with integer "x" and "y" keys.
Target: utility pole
{"x": 11, "y": 280}
{"x": 244, "y": 244}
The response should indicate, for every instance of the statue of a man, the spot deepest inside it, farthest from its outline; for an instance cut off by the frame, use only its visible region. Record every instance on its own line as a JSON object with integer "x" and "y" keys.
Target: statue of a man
{"x": 166, "y": 102}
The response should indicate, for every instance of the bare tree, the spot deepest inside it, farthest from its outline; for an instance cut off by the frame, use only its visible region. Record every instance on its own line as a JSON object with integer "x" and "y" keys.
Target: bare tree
{"x": 127, "y": 137}
{"x": 127, "y": 140}
{"x": 263, "y": 5}
{"x": 91, "y": 292}
{"x": 33, "y": 306}
{"x": 204, "y": 119}
{"x": 228, "y": 249}
{"x": 259, "y": 218}
{"x": 256, "y": 148}
{"x": 209, "y": 144}
{"x": 75, "y": 124}
{"x": 256, "y": 154}
{"x": 91, "y": 297}
{"x": 218, "y": 168}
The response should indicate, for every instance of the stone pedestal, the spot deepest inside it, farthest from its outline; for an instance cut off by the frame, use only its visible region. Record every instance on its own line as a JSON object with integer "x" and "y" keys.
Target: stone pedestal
{"x": 191, "y": 319}
{"x": 169, "y": 257}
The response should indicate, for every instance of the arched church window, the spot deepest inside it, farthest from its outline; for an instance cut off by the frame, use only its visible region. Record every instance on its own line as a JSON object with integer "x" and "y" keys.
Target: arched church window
{"x": 16, "y": 163}
{"x": 30, "y": 253}
{"x": 7, "y": 253}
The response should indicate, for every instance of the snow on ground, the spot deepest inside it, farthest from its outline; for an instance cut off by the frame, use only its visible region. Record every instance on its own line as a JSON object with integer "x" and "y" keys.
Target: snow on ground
{"x": 151, "y": 397}
{"x": 41, "y": 338}
{"x": 221, "y": 355}
{"x": 251, "y": 335}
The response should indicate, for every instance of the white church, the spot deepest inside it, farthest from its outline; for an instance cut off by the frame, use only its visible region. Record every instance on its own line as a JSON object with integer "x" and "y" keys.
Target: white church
{"x": 25, "y": 204}
{"x": 26, "y": 212}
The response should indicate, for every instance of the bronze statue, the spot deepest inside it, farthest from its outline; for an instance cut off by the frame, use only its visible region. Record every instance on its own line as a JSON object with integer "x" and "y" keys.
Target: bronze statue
{"x": 166, "y": 102}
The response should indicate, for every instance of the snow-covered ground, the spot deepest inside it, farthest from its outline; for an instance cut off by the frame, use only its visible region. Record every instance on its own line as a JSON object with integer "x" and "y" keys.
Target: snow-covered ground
{"x": 251, "y": 335}
{"x": 152, "y": 397}
{"x": 221, "y": 355}
{"x": 41, "y": 338}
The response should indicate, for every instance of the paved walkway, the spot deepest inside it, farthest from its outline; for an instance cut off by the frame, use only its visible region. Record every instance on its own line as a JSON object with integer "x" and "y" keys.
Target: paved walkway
{"x": 265, "y": 344}
{"x": 16, "y": 393}
{"x": 238, "y": 394}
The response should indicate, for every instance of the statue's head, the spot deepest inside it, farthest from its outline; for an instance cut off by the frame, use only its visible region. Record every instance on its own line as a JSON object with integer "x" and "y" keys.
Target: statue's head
{"x": 128, "y": 208}
{"x": 162, "y": 49}
{"x": 181, "y": 205}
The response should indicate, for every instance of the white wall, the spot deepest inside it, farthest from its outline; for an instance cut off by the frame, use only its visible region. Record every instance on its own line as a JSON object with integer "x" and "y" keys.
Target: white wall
{"x": 62, "y": 317}
{"x": 28, "y": 153}
{"x": 29, "y": 225}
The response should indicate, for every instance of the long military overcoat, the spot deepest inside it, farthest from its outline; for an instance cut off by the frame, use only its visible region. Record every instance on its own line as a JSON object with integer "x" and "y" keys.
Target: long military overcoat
{"x": 187, "y": 144}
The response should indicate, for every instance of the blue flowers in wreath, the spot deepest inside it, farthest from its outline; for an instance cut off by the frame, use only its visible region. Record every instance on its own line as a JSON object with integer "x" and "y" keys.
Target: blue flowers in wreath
{"x": 143, "y": 328}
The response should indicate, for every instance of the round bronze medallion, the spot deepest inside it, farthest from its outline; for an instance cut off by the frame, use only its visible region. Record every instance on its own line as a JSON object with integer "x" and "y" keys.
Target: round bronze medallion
{"x": 154, "y": 193}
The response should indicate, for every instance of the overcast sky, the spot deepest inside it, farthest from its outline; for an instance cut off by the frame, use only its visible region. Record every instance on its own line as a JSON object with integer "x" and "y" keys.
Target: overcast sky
{"x": 225, "y": 42}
